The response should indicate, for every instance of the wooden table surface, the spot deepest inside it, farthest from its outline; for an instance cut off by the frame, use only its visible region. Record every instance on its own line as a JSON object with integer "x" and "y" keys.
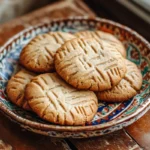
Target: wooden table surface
{"x": 12, "y": 136}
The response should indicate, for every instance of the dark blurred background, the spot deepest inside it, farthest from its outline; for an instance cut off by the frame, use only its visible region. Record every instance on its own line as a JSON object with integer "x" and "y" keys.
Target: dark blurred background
{"x": 133, "y": 13}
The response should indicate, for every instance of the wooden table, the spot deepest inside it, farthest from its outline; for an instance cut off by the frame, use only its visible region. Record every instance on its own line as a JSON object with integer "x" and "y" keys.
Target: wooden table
{"x": 12, "y": 136}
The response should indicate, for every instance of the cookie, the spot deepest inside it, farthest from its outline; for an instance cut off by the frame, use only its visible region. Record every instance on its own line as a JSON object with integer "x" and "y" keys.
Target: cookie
{"x": 38, "y": 55}
{"x": 104, "y": 36}
{"x": 90, "y": 64}
{"x": 127, "y": 88}
{"x": 16, "y": 87}
{"x": 57, "y": 102}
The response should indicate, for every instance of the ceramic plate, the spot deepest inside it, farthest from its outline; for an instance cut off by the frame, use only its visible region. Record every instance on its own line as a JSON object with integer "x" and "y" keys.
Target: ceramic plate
{"x": 110, "y": 116}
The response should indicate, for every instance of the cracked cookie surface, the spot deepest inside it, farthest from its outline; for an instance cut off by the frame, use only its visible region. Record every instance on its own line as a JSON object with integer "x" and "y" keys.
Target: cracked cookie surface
{"x": 90, "y": 64}
{"x": 57, "y": 102}
{"x": 16, "y": 87}
{"x": 38, "y": 54}
{"x": 127, "y": 88}
{"x": 104, "y": 36}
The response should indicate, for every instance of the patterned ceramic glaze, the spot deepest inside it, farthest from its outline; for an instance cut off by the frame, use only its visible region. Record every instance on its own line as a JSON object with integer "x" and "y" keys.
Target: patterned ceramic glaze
{"x": 110, "y": 116}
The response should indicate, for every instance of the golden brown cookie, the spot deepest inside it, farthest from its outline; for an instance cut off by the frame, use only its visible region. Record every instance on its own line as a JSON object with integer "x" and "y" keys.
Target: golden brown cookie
{"x": 104, "y": 36}
{"x": 38, "y": 55}
{"x": 127, "y": 88}
{"x": 57, "y": 102}
{"x": 90, "y": 64}
{"x": 16, "y": 86}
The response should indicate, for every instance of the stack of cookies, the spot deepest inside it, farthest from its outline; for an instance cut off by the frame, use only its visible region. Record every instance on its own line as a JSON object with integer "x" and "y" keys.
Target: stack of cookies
{"x": 66, "y": 74}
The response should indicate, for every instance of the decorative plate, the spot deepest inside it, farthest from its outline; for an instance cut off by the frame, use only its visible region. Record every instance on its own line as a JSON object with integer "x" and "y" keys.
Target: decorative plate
{"x": 110, "y": 116}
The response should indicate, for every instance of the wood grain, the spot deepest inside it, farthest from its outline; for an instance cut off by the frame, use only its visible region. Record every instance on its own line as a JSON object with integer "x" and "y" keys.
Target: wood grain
{"x": 140, "y": 131}
{"x": 119, "y": 140}
{"x": 20, "y": 139}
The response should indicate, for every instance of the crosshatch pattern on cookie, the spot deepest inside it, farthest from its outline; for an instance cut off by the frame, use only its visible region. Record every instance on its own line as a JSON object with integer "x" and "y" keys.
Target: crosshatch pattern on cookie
{"x": 38, "y": 55}
{"x": 104, "y": 36}
{"x": 55, "y": 101}
{"x": 97, "y": 34}
{"x": 90, "y": 64}
{"x": 16, "y": 88}
{"x": 127, "y": 88}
